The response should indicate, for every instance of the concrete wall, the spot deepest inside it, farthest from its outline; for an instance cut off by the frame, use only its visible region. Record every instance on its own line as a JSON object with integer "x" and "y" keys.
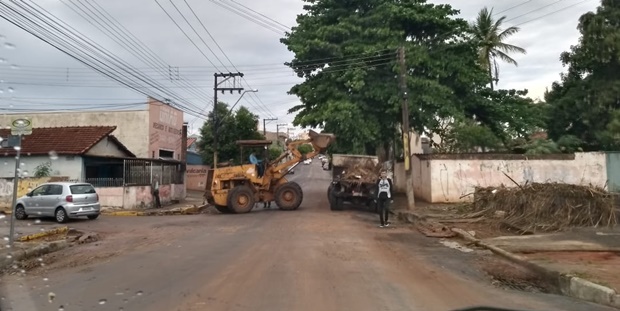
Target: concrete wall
{"x": 139, "y": 197}
{"x": 132, "y": 125}
{"x": 196, "y": 177}
{"x": 70, "y": 166}
{"x": 25, "y": 185}
{"x": 450, "y": 178}
{"x": 165, "y": 130}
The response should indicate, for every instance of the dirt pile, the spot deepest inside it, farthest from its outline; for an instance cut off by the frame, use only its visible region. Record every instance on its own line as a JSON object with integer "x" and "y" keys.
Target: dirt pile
{"x": 363, "y": 171}
{"x": 547, "y": 207}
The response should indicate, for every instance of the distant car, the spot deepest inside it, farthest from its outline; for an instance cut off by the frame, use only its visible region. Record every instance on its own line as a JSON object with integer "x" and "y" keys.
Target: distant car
{"x": 307, "y": 161}
{"x": 61, "y": 200}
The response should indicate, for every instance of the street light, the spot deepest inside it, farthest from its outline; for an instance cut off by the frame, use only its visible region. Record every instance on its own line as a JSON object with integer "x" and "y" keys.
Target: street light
{"x": 216, "y": 124}
{"x": 233, "y": 106}
{"x": 246, "y": 91}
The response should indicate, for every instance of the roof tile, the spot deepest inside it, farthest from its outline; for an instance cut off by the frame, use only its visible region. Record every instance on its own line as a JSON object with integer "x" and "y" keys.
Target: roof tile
{"x": 71, "y": 140}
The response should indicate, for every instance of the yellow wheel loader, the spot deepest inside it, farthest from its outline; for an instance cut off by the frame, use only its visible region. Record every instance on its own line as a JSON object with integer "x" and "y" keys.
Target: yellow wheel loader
{"x": 236, "y": 189}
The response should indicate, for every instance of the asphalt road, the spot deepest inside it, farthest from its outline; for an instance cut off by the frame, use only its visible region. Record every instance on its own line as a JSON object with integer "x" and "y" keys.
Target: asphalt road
{"x": 310, "y": 259}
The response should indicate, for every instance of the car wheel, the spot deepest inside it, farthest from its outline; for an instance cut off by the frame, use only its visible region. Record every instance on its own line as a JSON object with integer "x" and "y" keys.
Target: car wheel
{"x": 20, "y": 212}
{"x": 61, "y": 215}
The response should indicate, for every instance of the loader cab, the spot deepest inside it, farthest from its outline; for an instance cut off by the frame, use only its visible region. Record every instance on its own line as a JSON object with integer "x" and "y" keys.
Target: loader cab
{"x": 258, "y": 147}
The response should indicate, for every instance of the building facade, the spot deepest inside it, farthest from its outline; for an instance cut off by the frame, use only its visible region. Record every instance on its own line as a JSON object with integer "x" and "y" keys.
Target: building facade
{"x": 154, "y": 131}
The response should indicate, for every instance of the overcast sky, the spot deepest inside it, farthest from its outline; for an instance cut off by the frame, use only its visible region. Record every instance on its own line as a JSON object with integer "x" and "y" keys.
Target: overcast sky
{"x": 37, "y": 76}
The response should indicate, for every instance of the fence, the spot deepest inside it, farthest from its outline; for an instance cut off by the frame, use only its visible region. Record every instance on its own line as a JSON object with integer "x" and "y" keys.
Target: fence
{"x": 142, "y": 172}
{"x": 105, "y": 182}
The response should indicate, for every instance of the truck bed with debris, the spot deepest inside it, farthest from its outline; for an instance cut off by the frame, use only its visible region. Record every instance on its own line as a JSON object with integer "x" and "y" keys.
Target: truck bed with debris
{"x": 353, "y": 180}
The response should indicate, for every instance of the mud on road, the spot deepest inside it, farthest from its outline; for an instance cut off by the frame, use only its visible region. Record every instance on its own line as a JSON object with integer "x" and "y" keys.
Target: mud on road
{"x": 310, "y": 259}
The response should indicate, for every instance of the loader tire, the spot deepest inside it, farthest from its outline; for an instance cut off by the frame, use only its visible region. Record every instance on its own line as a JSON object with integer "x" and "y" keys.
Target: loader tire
{"x": 288, "y": 196}
{"x": 241, "y": 199}
{"x": 223, "y": 209}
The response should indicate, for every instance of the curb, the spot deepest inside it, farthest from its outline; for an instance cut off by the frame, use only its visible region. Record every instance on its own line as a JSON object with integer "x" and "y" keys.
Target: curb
{"x": 39, "y": 250}
{"x": 409, "y": 216}
{"x": 566, "y": 284}
{"x": 35, "y": 236}
{"x": 191, "y": 210}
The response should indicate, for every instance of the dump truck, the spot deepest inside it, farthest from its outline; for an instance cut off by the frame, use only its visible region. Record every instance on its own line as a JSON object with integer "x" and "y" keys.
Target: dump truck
{"x": 236, "y": 189}
{"x": 353, "y": 181}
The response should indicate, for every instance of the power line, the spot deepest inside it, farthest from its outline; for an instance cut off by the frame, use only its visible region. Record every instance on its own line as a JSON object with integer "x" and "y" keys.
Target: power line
{"x": 108, "y": 30}
{"x": 248, "y": 17}
{"x": 149, "y": 55}
{"x": 83, "y": 50}
{"x": 267, "y": 17}
{"x": 535, "y": 10}
{"x": 513, "y": 7}
{"x": 221, "y": 50}
{"x": 551, "y": 13}
{"x": 186, "y": 35}
{"x": 264, "y": 108}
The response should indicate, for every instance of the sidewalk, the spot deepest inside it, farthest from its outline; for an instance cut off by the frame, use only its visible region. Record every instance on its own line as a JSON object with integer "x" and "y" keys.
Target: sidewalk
{"x": 580, "y": 263}
{"x": 192, "y": 204}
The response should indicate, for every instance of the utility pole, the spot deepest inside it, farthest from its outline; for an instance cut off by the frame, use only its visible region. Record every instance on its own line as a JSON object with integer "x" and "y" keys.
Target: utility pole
{"x": 406, "y": 128}
{"x": 265, "y": 125}
{"x": 216, "y": 87}
{"x": 278, "y": 132}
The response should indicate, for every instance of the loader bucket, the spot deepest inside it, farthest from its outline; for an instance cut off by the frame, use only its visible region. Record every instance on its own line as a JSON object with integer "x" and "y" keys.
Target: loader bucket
{"x": 322, "y": 140}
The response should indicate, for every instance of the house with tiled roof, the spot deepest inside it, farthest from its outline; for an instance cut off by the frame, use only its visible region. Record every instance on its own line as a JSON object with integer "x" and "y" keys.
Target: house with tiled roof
{"x": 73, "y": 152}
{"x": 88, "y": 154}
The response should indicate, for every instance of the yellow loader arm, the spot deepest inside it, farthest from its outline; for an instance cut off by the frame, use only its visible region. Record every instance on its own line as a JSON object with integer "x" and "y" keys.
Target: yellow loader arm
{"x": 319, "y": 143}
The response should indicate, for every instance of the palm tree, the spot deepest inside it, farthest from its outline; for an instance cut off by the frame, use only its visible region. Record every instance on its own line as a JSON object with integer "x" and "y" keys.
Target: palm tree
{"x": 491, "y": 39}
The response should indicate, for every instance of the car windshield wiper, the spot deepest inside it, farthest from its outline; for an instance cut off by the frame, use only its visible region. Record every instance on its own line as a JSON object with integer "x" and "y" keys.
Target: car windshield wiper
{"x": 483, "y": 308}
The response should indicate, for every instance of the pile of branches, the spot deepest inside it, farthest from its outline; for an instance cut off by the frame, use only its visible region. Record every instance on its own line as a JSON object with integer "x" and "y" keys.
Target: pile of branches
{"x": 547, "y": 206}
{"x": 361, "y": 170}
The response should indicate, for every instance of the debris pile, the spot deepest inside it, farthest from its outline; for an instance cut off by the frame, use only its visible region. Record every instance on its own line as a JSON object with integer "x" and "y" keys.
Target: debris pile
{"x": 362, "y": 171}
{"x": 547, "y": 207}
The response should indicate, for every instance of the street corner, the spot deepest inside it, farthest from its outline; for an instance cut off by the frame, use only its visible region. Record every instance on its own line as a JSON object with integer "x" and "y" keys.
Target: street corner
{"x": 50, "y": 234}
{"x": 184, "y": 210}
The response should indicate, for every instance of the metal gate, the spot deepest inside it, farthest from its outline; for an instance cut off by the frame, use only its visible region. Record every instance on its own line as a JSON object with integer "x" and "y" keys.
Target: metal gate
{"x": 613, "y": 171}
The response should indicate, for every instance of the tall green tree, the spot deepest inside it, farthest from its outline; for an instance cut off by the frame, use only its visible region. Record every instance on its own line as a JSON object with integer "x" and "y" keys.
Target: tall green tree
{"x": 491, "y": 39}
{"x": 238, "y": 125}
{"x": 346, "y": 51}
{"x": 585, "y": 103}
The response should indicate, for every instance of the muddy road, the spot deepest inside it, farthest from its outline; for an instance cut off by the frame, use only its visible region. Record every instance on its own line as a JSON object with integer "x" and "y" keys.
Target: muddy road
{"x": 310, "y": 259}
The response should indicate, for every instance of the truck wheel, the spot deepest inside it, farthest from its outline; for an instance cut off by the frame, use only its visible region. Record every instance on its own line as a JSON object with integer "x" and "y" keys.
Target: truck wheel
{"x": 289, "y": 196}
{"x": 333, "y": 200}
{"x": 223, "y": 209}
{"x": 329, "y": 194}
{"x": 241, "y": 199}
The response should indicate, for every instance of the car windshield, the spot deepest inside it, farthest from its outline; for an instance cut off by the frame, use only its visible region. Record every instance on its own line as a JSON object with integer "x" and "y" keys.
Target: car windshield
{"x": 82, "y": 189}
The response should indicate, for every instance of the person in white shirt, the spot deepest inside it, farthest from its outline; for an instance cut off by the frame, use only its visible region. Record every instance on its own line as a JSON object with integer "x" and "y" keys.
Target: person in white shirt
{"x": 385, "y": 196}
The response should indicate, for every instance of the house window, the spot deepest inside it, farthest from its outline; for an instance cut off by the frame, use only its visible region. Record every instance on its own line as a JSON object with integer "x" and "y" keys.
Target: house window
{"x": 166, "y": 154}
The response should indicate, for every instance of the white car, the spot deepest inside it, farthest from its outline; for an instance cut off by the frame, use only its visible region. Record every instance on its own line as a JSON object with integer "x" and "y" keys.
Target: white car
{"x": 307, "y": 161}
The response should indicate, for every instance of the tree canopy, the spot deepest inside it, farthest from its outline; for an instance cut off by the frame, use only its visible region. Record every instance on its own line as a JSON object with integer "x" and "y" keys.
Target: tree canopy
{"x": 585, "y": 103}
{"x": 492, "y": 44}
{"x": 239, "y": 125}
{"x": 346, "y": 52}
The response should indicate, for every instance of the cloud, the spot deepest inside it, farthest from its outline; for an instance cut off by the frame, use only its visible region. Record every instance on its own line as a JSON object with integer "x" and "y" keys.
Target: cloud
{"x": 253, "y": 49}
